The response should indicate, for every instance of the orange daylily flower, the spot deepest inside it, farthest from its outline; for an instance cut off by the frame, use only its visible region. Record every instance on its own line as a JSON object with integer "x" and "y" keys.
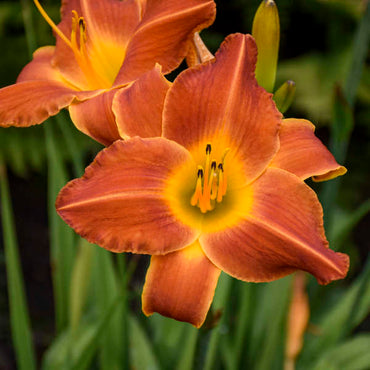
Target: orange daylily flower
{"x": 222, "y": 189}
{"x": 105, "y": 55}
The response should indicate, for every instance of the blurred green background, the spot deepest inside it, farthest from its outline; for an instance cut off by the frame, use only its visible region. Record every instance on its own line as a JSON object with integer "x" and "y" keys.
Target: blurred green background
{"x": 318, "y": 50}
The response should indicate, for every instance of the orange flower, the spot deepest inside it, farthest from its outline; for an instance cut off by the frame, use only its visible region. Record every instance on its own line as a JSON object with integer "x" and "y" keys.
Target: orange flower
{"x": 102, "y": 47}
{"x": 218, "y": 191}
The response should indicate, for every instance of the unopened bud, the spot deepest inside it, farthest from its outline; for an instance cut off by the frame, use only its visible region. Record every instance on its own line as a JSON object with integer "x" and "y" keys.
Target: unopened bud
{"x": 266, "y": 32}
{"x": 284, "y": 95}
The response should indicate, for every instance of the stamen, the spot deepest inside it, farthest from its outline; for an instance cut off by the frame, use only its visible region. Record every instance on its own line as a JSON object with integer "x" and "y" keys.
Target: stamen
{"x": 74, "y": 30}
{"x": 52, "y": 24}
{"x": 198, "y": 188}
{"x": 208, "y": 148}
{"x": 96, "y": 80}
{"x": 211, "y": 183}
{"x": 220, "y": 183}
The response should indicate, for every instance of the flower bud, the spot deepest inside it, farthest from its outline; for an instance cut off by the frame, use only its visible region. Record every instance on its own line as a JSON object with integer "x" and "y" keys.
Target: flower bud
{"x": 284, "y": 95}
{"x": 266, "y": 31}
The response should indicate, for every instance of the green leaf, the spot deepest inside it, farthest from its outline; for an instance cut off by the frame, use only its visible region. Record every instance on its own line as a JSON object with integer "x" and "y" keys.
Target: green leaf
{"x": 186, "y": 353}
{"x": 268, "y": 332}
{"x": 168, "y": 337}
{"x": 219, "y": 302}
{"x": 243, "y": 316}
{"x": 106, "y": 287}
{"x": 142, "y": 355}
{"x": 359, "y": 55}
{"x": 62, "y": 237}
{"x": 81, "y": 277}
{"x": 19, "y": 317}
{"x": 75, "y": 350}
{"x": 344, "y": 224}
{"x": 353, "y": 354}
{"x": 350, "y": 309}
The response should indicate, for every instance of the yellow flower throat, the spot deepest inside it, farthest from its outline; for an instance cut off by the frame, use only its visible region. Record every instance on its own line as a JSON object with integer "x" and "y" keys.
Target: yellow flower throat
{"x": 211, "y": 183}
{"x": 78, "y": 46}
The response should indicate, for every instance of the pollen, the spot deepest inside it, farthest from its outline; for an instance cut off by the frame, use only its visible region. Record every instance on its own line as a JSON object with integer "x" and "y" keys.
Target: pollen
{"x": 211, "y": 183}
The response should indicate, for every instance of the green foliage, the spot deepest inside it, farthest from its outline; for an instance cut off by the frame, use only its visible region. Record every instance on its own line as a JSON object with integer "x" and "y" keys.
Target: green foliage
{"x": 20, "y": 322}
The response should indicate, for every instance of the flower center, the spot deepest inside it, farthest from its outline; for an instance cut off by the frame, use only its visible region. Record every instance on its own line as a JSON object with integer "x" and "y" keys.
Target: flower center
{"x": 211, "y": 183}
{"x": 78, "y": 47}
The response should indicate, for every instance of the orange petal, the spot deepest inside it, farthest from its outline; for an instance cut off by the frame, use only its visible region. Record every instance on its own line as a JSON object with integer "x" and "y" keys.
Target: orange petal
{"x": 180, "y": 285}
{"x": 95, "y": 118}
{"x": 109, "y": 27}
{"x": 303, "y": 154}
{"x": 40, "y": 68}
{"x": 119, "y": 203}
{"x": 138, "y": 108}
{"x": 164, "y": 34}
{"x": 281, "y": 233}
{"x": 221, "y": 102}
{"x": 32, "y": 102}
{"x": 64, "y": 58}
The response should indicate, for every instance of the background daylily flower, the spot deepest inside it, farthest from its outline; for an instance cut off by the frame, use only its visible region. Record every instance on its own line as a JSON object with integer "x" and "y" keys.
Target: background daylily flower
{"x": 102, "y": 47}
{"x": 222, "y": 189}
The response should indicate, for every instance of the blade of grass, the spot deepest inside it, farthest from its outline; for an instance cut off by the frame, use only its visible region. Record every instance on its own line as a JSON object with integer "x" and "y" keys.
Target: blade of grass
{"x": 106, "y": 288}
{"x": 342, "y": 122}
{"x": 351, "y": 308}
{"x": 19, "y": 316}
{"x": 28, "y": 26}
{"x": 344, "y": 226}
{"x": 81, "y": 277}
{"x": 62, "y": 238}
{"x": 269, "y": 335}
{"x": 125, "y": 271}
{"x": 243, "y": 319}
{"x": 186, "y": 355}
{"x": 359, "y": 55}
{"x": 85, "y": 344}
{"x": 221, "y": 297}
{"x": 350, "y": 355}
{"x": 71, "y": 145}
{"x": 142, "y": 355}
{"x": 168, "y": 337}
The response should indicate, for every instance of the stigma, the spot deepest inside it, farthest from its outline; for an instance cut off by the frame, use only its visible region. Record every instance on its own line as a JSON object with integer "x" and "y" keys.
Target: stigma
{"x": 211, "y": 184}
{"x": 77, "y": 43}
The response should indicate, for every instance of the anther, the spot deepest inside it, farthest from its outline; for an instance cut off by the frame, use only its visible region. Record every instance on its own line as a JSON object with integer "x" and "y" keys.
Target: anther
{"x": 211, "y": 182}
{"x": 81, "y": 24}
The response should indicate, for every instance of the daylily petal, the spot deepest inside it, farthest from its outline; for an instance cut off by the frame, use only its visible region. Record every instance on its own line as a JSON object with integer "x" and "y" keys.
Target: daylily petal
{"x": 110, "y": 27}
{"x": 180, "y": 285}
{"x": 64, "y": 58}
{"x": 281, "y": 233}
{"x": 31, "y": 102}
{"x": 220, "y": 102}
{"x": 119, "y": 203}
{"x": 40, "y": 68}
{"x": 303, "y": 154}
{"x": 138, "y": 108}
{"x": 164, "y": 34}
{"x": 95, "y": 118}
